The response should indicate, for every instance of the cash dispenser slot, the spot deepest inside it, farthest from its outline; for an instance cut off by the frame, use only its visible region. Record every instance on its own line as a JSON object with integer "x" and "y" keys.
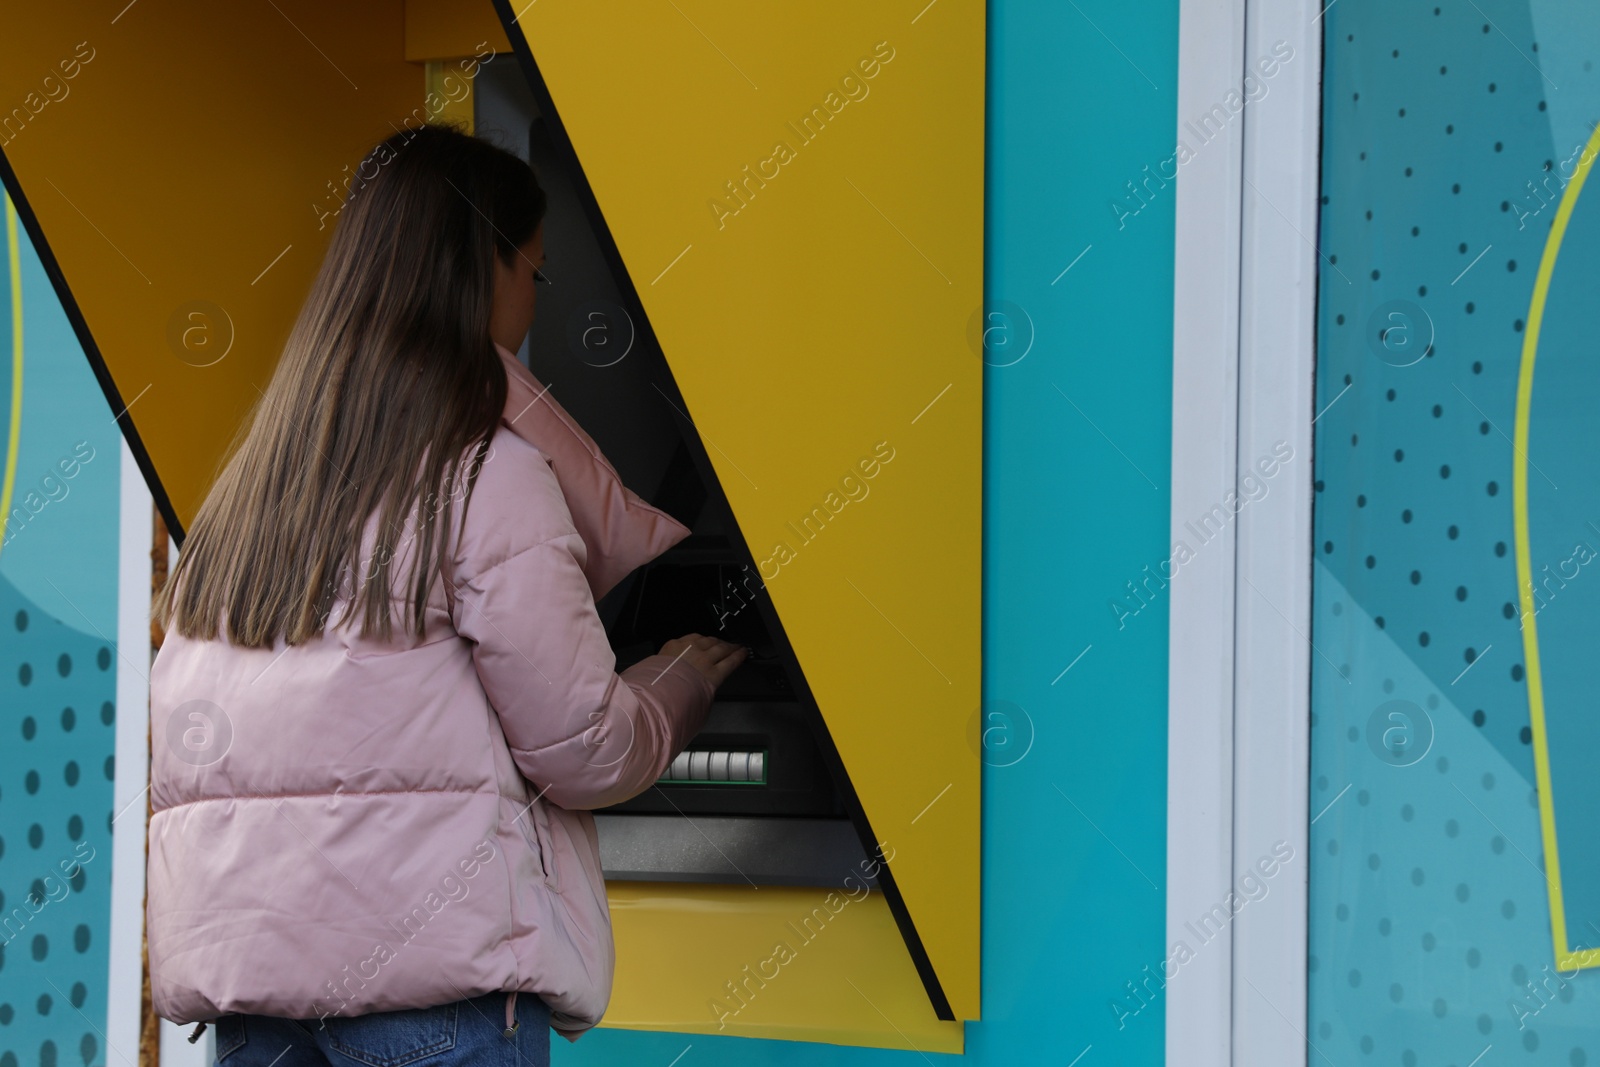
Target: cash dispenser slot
{"x": 753, "y": 798}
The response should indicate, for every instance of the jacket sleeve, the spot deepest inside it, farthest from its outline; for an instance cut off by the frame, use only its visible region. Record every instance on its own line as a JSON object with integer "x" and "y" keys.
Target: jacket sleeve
{"x": 580, "y": 732}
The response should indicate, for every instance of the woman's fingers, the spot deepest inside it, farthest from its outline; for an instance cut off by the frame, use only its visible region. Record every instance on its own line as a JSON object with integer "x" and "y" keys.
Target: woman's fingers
{"x": 711, "y": 656}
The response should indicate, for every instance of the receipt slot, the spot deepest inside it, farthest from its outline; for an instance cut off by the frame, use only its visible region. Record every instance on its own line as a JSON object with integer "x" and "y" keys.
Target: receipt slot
{"x": 767, "y": 248}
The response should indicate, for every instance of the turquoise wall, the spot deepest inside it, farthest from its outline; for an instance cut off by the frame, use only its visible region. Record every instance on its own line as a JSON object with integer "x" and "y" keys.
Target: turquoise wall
{"x": 1081, "y": 97}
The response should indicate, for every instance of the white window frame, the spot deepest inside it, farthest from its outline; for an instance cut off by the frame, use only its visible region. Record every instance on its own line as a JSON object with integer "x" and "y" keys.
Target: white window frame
{"x": 126, "y": 978}
{"x": 1239, "y": 656}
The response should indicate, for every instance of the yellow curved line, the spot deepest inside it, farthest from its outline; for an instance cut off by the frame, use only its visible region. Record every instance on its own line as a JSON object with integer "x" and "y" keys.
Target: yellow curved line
{"x": 14, "y": 257}
{"x": 1566, "y": 958}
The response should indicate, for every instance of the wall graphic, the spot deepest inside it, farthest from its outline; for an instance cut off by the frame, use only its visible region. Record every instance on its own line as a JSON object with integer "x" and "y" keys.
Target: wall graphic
{"x": 1556, "y": 439}
{"x": 59, "y": 485}
{"x": 1452, "y": 132}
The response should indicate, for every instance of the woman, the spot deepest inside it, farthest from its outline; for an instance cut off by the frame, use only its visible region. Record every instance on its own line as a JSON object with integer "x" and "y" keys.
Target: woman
{"x": 385, "y": 700}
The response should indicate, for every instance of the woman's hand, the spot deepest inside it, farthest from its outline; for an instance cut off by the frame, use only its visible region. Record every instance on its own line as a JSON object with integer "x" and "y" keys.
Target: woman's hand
{"x": 713, "y": 658}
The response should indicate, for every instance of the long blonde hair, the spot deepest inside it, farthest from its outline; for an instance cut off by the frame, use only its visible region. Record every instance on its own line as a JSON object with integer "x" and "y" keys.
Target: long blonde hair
{"x": 387, "y": 381}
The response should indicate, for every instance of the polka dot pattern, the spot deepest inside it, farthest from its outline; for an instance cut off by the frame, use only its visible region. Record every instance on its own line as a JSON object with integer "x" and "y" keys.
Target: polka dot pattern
{"x": 1429, "y": 924}
{"x": 57, "y": 719}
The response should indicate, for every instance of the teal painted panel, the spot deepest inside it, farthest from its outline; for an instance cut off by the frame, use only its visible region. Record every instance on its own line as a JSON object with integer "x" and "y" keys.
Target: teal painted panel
{"x": 58, "y": 585}
{"x": 1449, "y": 130}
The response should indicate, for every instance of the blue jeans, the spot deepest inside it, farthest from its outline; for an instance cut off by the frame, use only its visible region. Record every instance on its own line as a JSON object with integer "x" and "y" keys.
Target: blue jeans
{"x": 466, "y": 1032}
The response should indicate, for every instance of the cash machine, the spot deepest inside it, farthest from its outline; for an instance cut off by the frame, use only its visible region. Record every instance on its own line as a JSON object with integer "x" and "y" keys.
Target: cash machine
{"x": 761, "y": 783}
{"x": 766, "y": 250}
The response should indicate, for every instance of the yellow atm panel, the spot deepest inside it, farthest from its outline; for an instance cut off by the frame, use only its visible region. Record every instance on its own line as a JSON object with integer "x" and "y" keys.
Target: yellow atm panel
{"x": 797, "y": 197}
{"x": 765, "y": 240}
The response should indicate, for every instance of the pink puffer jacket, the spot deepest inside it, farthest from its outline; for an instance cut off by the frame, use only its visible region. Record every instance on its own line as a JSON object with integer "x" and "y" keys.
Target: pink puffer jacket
{"x": 346, "y": 826}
